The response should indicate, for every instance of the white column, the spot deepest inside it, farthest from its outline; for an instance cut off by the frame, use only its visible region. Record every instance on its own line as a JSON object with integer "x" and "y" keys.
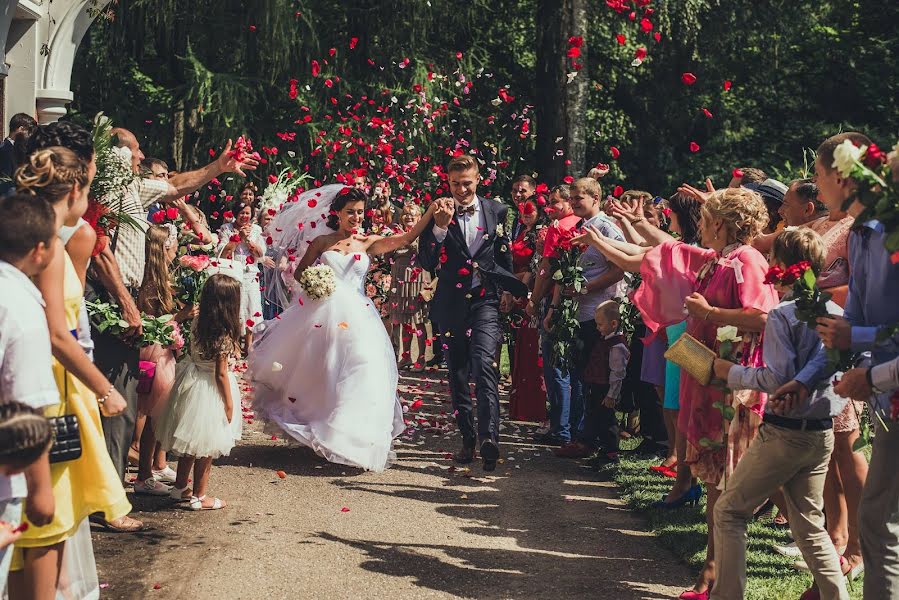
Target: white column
{"x": 70, "y": 22}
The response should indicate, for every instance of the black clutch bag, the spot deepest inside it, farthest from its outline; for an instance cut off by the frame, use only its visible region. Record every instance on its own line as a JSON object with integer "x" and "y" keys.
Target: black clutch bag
{"x": 66, "y": 438}
{"x": 66, "y": 432}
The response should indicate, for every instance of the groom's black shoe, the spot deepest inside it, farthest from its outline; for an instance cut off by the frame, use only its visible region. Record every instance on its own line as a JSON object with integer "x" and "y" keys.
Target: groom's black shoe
{"x": 489, "y": 454}
{"x": 466, "y": 454}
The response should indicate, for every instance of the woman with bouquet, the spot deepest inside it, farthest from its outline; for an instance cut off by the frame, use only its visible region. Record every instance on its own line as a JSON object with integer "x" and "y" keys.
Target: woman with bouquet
{"x": 325, "y": 371}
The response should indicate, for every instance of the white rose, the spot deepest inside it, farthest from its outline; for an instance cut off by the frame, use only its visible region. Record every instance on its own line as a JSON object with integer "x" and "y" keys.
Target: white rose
{"x": 845, "y": 156}
{"x": 727, "y": 333}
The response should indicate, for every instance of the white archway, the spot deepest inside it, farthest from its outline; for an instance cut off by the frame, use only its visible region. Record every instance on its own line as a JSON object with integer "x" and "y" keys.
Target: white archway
{"x": 40, "y": 39}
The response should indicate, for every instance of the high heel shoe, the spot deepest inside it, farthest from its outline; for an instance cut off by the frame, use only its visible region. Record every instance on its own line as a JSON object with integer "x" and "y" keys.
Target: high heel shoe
{"x": 693, "y": 595}
{"x": 660, "y": 468}
{"x": 691, "y": 497}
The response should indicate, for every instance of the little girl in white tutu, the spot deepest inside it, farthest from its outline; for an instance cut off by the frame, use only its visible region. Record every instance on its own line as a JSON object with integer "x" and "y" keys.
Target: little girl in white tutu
{"x": 202, "y": 420}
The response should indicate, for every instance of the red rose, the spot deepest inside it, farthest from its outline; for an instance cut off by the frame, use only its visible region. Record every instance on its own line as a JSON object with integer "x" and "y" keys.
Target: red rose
{"x": 688, "y": 78}
{"x": 234, "y": 238}
{"x": 171, "y": 213}
{"x": 159, "y": 217}
{"x": 228, "y": 215}
{"x": 774, "y": 275}
{"x": 615, "y": 152}
{"x": 874, "y": 156}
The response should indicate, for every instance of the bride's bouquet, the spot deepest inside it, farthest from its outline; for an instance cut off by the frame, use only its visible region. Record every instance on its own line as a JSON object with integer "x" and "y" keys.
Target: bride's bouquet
{"x": 318, "y": 282}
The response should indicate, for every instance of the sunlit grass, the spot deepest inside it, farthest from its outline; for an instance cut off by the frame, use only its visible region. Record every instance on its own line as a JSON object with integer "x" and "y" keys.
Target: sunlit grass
{"x": 683, "y": 531}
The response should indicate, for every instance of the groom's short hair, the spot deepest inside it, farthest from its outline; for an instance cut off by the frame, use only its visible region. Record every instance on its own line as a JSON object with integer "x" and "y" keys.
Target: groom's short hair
{"x": 463, "y": 162}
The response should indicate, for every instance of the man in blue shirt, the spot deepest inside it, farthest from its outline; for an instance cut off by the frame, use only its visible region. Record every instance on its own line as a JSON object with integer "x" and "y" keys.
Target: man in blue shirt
{"x": 871, "y": 306}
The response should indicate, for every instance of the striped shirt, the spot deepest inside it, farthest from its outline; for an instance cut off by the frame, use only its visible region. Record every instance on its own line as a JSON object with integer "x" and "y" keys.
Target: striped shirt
{"x": 132, "y": 241}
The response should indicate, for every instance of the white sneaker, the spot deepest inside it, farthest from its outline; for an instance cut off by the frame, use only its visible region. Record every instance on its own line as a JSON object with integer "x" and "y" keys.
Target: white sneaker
{"x": 790, "y": 550}
{"x": 151, "y": 487}
{"x": 166, "y": 475}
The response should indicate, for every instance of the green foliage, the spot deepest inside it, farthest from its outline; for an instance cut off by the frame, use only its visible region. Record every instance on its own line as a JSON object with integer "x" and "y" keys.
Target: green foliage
{"x": 185, "y": 76}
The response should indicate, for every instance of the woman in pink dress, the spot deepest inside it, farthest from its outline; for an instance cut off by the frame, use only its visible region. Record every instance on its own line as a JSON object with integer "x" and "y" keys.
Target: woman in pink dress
{"x": 718, "y": 285}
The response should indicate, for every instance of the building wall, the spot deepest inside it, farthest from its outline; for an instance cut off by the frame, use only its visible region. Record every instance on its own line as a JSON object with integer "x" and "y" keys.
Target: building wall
{"x": 39, "y": 39}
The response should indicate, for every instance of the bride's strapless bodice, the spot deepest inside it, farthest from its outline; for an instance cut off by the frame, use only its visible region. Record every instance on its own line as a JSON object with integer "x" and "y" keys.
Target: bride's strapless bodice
{"x": 349, "y": 269}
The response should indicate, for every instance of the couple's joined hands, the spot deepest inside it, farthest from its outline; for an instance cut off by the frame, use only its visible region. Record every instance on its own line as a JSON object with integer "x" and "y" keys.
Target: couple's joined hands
{"x": 443, "y": 210}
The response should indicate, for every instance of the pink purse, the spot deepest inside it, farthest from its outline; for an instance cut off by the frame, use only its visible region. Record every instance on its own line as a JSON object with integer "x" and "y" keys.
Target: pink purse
{"x": 147, "y": 372}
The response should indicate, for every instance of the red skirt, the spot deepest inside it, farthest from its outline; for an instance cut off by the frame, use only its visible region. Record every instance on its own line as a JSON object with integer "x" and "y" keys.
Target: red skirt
{"x": 527, "y": 400}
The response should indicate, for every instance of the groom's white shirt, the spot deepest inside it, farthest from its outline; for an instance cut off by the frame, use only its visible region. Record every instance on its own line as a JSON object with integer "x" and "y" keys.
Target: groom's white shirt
{"x": 473, "y": 227}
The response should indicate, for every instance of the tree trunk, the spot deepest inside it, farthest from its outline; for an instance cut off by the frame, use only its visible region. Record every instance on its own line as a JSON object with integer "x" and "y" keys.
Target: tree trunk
{"x": 561, "y": 106}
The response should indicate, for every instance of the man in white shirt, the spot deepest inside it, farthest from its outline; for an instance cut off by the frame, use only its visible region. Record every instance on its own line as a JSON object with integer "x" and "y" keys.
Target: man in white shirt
{"x": 27, "y": 232}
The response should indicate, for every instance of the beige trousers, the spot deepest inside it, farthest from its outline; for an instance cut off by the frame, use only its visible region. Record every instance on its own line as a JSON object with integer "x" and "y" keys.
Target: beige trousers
{"x": 878, "y": 516}
{"x": 796, "y": 461}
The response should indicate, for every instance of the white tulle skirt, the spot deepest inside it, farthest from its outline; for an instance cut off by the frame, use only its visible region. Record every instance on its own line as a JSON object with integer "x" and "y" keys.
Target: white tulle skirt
{"x": 194, "y": 422}
{"x": 325, "y": 374}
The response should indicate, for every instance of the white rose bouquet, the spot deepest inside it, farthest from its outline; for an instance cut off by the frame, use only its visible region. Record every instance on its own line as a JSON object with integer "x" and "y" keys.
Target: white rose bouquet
{"x": 318, "y": 282}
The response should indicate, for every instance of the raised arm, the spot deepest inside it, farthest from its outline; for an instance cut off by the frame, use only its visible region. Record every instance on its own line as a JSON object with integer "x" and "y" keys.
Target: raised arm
{"x": 63, "y": 344}
{"x": 626, "y": 262}
{"x": 182, "y": 184}
{"x": 631, "y": 214}
{"x": 382, "y": 245}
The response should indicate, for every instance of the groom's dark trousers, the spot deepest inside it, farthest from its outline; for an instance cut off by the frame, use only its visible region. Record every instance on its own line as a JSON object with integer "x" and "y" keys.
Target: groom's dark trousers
{"x": 471, "y": 352}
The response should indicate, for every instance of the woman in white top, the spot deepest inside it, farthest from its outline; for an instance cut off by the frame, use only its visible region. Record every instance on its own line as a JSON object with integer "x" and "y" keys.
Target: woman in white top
{"x": 242, "y": 241}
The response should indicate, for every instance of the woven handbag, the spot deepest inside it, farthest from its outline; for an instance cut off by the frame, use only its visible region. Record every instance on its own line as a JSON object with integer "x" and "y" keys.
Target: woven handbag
{"x": 692, "y": 356}
{"x": 66, "y": 431}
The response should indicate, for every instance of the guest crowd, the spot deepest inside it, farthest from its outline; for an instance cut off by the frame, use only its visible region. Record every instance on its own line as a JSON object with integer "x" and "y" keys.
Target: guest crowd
{"x": 772, "y": 426}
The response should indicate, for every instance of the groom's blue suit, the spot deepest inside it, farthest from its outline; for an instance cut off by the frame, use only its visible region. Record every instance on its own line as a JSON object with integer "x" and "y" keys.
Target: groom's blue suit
{"x": 474, "y": 259}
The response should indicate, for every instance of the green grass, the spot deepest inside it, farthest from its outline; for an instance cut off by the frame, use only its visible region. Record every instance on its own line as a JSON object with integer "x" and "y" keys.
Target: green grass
{"x": 683, "y": 531}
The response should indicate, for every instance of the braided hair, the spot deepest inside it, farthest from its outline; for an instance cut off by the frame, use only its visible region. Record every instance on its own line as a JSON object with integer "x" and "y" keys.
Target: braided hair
{"x": 25, "y": 434}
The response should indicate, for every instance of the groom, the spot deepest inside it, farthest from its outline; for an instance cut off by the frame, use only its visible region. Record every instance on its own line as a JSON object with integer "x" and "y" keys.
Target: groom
{"x": 469, "y": 244}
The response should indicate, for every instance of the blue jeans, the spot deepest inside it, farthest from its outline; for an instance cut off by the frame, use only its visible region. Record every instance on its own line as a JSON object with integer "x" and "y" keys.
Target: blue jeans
{"x": 566, "y": 401}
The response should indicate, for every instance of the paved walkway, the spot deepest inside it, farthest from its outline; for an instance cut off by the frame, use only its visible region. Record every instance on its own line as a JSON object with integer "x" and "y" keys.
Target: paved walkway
{"x": 538, "y": 527}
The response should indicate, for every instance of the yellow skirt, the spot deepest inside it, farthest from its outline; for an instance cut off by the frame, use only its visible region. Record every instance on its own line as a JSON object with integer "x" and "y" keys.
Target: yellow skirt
{"x": 81, "y": 487}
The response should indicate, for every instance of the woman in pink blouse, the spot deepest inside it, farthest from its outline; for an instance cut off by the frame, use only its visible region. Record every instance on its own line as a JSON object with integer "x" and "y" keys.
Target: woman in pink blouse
{"x": 717, "y": 285}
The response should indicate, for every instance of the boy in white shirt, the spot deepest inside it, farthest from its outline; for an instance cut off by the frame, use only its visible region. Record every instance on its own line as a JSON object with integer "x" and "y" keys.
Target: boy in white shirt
{"x": 27, "y": 233}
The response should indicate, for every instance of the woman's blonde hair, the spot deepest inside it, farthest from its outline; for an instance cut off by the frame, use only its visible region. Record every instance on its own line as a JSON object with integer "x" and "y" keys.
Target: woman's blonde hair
{"x": 743, "y": 212}
{"x": 156, "y": 292}
{"x": 51, "y": 173}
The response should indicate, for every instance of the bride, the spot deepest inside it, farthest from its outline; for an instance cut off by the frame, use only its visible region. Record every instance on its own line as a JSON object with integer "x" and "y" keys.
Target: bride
{"x": 325, "y": 371}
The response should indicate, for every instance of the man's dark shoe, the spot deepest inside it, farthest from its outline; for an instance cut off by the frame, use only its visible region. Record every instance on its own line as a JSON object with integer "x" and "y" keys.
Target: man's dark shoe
{"x": 548, "y": 439}
{"x": 489, "y": 454}
{"x": 437, "y": 361}
{"x": 466, "y": 455}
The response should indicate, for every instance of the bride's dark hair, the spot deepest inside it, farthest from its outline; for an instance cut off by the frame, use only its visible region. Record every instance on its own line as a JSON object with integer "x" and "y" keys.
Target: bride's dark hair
{"x": 345, "y": 196}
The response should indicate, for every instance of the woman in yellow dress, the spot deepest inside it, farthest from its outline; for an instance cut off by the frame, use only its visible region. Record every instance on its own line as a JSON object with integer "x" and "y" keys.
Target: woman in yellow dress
{"x": 62, "y": 495}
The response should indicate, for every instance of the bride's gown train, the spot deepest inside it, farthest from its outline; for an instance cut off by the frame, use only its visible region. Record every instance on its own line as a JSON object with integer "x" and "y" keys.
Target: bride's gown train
{"x": 325, "y": 372}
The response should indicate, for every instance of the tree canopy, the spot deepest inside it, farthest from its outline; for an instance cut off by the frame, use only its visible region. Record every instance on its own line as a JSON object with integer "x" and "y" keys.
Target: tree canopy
{"x": 385, "y": 84}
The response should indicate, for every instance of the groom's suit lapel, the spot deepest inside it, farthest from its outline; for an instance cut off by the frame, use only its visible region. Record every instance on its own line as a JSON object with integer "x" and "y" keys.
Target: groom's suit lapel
{"x": 489, "y": 224}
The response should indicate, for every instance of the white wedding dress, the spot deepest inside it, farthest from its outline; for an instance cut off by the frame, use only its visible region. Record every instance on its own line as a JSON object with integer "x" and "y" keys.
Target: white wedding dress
{"x": 325, "y": 372}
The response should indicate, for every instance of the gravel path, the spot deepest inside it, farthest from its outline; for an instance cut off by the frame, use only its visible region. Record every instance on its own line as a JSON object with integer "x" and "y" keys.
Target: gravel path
{"x": 538, "y": 527}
